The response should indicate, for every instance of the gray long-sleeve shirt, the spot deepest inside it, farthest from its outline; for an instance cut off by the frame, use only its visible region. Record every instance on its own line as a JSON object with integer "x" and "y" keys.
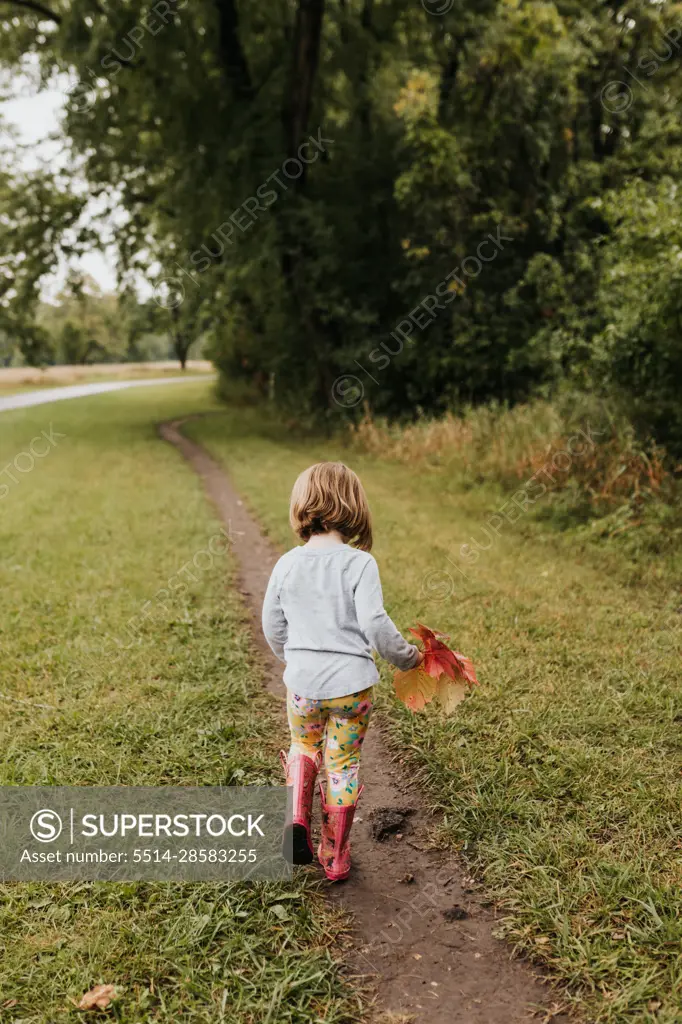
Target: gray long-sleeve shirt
{"x": 323, "y": 615}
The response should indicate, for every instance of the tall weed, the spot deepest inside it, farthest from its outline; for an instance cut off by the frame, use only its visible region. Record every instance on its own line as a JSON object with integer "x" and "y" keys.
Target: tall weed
{"x": 579, "y": 444}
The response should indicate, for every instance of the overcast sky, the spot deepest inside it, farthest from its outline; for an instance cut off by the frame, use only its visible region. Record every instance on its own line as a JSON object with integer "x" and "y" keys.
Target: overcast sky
{"x": 37, "y": 116}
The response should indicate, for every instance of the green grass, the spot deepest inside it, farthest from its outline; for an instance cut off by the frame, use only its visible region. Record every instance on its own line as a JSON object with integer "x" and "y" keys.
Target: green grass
{"x": 561, "y": 778}
{"x": 88, "y": 537}
{"x": 67, "y": 376}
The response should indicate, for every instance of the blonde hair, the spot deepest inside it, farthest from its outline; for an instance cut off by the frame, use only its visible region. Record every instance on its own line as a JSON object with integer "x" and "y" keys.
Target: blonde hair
{"x": 329, "y": 496}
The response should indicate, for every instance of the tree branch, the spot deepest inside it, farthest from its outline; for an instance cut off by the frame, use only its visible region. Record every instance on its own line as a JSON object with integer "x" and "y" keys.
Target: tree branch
{"x": 38, "y": 8}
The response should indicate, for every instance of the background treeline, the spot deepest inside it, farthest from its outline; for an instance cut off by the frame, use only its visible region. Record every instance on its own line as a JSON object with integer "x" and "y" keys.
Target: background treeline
{"x": 82, "y": 325}
{"x": 551, "y": 130}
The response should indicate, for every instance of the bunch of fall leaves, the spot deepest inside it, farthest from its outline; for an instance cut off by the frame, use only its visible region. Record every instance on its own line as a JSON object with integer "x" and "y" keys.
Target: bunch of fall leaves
{"x": 444, "y": 674}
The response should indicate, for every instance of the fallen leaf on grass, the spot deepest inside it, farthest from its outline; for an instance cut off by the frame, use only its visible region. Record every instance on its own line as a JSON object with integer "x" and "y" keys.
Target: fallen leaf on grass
{"x": 98, "y": 998}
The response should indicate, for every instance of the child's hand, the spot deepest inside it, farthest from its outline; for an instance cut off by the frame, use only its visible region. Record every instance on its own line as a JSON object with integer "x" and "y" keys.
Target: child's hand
{"x": 420, "y": 660}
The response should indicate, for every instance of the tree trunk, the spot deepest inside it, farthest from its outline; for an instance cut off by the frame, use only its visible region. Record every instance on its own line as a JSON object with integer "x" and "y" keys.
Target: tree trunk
{"x": 295, "y": 116}
{"x": 230, "y": 48}
{"x": 181, "y": 340}
{"x": 181, "y": 350}
{"x": 306, "y": 54}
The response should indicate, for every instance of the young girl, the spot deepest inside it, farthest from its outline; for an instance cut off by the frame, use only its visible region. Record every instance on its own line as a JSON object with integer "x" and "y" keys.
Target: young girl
{"x": 323, "y": 615}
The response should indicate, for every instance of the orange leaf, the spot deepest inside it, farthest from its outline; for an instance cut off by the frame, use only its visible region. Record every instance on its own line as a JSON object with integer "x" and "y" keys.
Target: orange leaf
{"x": 451, "y": 694}
{"x": 98, "y": 997}
{"x": 414, "y": 688}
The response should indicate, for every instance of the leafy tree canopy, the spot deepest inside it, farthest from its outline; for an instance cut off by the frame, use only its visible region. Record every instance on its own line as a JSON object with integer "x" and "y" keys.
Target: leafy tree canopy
{"x": 445, "y": 201}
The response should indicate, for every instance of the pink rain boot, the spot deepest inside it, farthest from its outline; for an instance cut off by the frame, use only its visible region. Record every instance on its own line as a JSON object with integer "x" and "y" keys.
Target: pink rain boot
{"x": 301, "y": 772}
{"x": 333, "y": 852}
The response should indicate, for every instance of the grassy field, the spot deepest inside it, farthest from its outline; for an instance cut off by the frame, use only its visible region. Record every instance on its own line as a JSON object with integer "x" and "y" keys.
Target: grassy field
{"x": 561, "y": 778}
{"x": 88, "y": 536}
{"x": 16, "y": 379}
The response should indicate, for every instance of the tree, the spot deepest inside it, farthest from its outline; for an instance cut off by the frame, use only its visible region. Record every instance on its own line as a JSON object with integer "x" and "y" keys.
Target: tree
{"x": 86, "y": 324}
{"x": 35, "y": 345}
{"x": 366, "y": 187}
{"x": 8, "y": 348}
{"x": 38, "y": 216}
{"x": 72, "y": 343}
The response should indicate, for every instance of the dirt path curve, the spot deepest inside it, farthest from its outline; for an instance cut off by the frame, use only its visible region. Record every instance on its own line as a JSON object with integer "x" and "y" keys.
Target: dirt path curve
{"x": 422, "y": 934}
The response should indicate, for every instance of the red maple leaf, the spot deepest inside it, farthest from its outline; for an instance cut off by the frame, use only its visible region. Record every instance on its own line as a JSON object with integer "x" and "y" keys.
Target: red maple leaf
{"x": 439, "y": 659}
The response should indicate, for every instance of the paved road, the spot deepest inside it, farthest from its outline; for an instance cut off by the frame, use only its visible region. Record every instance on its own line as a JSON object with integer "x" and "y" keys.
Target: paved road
{"x": 44, "y": 395}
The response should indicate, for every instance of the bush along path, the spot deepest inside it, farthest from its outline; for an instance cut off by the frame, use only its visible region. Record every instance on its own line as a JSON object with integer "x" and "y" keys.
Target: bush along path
{"x": 422, "y": 935}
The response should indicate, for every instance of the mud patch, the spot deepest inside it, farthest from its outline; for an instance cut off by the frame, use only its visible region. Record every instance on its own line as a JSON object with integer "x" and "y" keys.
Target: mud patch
{"x": 455, "y": 913}
{"x": 389, "y": 821}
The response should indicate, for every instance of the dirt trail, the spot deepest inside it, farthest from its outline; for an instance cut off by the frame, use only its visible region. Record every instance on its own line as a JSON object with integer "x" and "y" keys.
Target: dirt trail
{"x": 423, "y": 936}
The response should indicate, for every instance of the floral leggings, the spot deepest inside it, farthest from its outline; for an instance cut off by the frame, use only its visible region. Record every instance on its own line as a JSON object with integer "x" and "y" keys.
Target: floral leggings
{"x": 340, "y": 724}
